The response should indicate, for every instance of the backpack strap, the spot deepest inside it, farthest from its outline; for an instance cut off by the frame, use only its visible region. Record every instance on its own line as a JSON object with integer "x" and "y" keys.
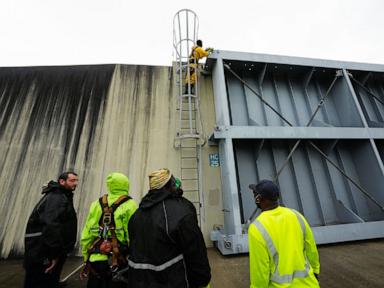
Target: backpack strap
{"x": 94, "y": 248}
{"x": 121, "y": 200}
{"x": 106, "y": 216}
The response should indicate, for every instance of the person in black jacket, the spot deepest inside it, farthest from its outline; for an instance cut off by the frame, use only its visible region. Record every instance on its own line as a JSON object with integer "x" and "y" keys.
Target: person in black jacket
{"x": 167, "y": 248}
{"x": 51, "y": 233}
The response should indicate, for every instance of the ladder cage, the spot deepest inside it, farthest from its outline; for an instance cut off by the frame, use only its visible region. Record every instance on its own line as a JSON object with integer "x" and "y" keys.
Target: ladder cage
{"x": 188, "y": 137}
{"x": 185, "y": 35}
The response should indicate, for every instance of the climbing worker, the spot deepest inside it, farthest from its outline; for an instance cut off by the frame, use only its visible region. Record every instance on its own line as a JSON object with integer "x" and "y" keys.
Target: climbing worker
{"x": 51, "y": 233}
{"x": 197, "y": 53}
{"x": 282, "y": 249}
{"x": 104, "y": 238}
{"x": 167, "y": 248}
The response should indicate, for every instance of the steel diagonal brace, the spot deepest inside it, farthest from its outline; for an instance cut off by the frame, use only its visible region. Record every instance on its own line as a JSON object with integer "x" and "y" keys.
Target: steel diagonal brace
{"x": 368, "y": 91}
{"x": 361, "y": 189}
{"x": 321, "y": 103}
{"x": 257, "y": 94}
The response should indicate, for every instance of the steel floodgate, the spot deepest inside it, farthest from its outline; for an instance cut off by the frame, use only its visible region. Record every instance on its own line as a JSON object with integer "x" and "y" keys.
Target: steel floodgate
{"x": 313, "y": 126}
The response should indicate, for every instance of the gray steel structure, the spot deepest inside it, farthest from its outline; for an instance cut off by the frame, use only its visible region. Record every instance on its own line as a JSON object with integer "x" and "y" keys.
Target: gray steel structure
{"x": 315, "y": 127}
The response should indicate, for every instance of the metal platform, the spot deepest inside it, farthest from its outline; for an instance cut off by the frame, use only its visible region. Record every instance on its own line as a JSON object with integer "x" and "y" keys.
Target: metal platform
{"x": 313, "y": 126}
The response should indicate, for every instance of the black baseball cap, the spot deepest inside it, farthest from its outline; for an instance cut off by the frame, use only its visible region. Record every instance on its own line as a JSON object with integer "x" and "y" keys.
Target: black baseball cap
{"x": 267, "y": 189}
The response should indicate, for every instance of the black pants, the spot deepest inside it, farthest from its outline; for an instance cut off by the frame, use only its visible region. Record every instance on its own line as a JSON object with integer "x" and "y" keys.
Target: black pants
{"x": 36, "y": 278}
{"x": 192, "y": 89}
{"x": 101, "y": 277}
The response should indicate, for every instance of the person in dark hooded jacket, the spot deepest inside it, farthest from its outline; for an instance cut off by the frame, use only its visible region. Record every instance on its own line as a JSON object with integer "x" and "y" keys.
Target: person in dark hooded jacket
{"x": 51, "y": 233}
{"x": 167, "y": 248}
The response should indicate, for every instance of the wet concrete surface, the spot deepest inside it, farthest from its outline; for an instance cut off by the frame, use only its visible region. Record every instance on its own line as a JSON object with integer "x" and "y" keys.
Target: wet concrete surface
{"x": 352, "y": 265}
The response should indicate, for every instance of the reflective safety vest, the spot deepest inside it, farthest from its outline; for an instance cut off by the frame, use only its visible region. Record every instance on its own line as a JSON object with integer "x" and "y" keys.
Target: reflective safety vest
{"x": 282, "y": 250}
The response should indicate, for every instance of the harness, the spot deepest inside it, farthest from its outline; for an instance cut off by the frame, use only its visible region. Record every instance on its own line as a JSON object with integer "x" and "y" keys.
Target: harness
{"x": 105, "y": 244}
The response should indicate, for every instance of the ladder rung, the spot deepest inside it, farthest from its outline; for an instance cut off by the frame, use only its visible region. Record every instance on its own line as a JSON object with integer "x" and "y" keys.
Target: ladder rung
{"x": 187, "y": 136}
{"x": 187, "y": 96}
{"x": 183, "y": 145}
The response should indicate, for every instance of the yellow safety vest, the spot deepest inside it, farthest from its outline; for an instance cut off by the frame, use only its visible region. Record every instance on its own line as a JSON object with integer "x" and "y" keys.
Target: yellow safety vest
{"x": 282, "y": 250}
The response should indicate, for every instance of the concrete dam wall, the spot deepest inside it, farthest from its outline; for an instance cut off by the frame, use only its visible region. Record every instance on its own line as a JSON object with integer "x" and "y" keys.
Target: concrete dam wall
{"x": 92, "y": 119}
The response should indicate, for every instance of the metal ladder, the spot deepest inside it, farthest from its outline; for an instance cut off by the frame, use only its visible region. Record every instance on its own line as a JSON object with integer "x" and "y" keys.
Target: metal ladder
{"x": 189, "y": 136}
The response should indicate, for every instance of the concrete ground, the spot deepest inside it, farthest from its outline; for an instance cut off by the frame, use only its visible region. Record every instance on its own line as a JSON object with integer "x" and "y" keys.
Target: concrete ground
{"x": 352, "y": 265}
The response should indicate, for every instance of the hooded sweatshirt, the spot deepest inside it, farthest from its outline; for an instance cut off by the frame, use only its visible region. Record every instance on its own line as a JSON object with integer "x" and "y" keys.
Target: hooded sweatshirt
{"x": 117, "y": 185}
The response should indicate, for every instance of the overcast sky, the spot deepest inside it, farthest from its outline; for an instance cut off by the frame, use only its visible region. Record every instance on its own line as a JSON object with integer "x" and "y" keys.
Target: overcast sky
{"x": 61, "y": 32}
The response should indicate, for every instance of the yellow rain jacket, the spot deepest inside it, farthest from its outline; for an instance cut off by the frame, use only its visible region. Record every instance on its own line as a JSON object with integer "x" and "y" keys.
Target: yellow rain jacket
{"x": 282, "y": 250}
{"x": 198, "y": 53}
{"x": 191, "y": 78}
{"x": 117, "y": 185}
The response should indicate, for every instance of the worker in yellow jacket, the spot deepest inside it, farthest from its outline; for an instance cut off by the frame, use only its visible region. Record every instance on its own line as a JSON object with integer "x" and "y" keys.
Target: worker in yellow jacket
{"x": 104, "y": 239}
{"x": 282, "y": 249}
{"x": 197, "y": 53}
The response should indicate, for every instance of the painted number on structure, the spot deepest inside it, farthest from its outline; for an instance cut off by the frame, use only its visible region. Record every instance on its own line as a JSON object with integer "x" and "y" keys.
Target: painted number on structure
{"x": 214, "y": 160}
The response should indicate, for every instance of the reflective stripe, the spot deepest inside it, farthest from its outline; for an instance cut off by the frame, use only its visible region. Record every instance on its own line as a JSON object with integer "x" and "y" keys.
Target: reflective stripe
{"x": 157, "y": 268}
{"x": 185, "y": 274}
{"x": 33, "y": 234}
{"x": 271, "y": 246}
{"x": 302, "y": 224}
{"x": 166, "y": 223}
{"x": 287, "y": 278}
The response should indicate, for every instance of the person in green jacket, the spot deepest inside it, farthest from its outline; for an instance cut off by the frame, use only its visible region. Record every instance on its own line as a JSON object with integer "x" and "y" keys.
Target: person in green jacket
{"x": 104, "y": 240}
{"x": 282, "y": 249}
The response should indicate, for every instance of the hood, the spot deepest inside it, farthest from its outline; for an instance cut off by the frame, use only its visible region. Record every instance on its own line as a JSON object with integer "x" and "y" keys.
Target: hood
{"x": 155, "y": 196}
{"x": 54, "y": 186}
{"x": 117, "y": 184}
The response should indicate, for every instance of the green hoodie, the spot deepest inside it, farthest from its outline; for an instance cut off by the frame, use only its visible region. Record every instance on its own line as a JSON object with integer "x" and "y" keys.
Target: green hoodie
{"x": 117, "y": 185}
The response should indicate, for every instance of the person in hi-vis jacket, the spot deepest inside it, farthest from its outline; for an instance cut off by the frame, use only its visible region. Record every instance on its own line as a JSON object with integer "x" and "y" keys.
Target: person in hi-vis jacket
{"x": 282, "y": 249}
